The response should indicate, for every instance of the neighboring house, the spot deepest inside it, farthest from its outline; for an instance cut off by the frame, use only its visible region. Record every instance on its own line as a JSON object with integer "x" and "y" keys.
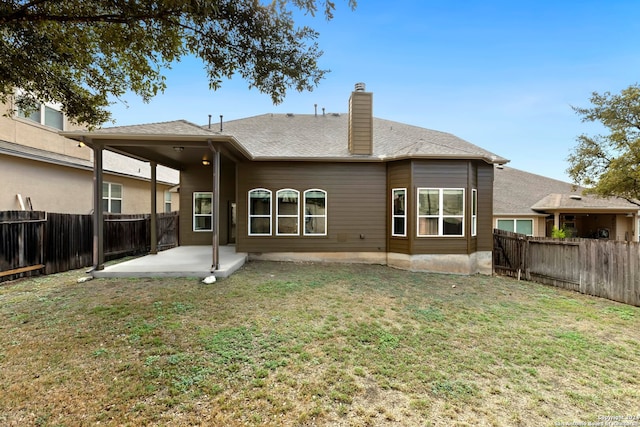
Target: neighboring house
{"x": 42, "y": 170}
{"x": 532, "y": 204}
{"x": 337, "y": 187}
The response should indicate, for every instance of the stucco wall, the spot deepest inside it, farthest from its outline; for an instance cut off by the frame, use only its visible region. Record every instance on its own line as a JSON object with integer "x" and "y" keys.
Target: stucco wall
{"x": 61, "y": 189}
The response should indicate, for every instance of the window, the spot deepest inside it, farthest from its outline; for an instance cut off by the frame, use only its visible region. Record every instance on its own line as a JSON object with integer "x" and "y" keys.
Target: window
{"x": 315, "y": 212}
{"x": 399, "y": 214}
{"x": 522, "y": 226}
{"x": 202, "y": 211}
{"x": 167, "y": 201}
{"x": 440, "y": 212}
{"x": 47, "y": 115}
{"x": 287, "y": 212}
{"x": 474, "y": 212}
{"x": 260, "y": 212}
{"x": 111, "y": 197}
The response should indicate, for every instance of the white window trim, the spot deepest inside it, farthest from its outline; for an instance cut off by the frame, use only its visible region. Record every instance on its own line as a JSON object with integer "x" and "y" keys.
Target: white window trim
{"x": 514, "y": 224}
{"x": 250, "y": 216}
{"x": 296, "y": 216}
{"x": 53, "y": 105}
{"x": 440, "y": 215}
{"x": 195, "y": 215}
{"x": 394, "y": 216}
{"x": 109, "y": 198}
{"x": 474, "y": 214}
{"x": 326, "y": 212}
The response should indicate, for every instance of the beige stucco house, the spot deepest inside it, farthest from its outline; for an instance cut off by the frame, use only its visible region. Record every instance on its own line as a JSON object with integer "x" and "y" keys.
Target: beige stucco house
{"x": 533, "y": 204}
{"x": 42, "y": 170}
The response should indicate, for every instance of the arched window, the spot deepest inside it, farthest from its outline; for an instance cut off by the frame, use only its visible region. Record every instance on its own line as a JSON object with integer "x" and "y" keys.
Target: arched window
{"x": 259, "y": 212}
{"x": 287, "y": 212}
{"x": 315, "y": 212}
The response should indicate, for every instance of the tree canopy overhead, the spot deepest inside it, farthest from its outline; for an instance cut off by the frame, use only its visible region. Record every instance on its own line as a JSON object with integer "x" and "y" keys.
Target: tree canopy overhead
{"x": 609, "y": 165}
{"x": 79, "y": 53}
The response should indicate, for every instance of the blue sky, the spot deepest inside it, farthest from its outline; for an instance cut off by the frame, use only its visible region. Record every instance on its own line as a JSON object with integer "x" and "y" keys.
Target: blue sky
{"x": 500, "y": 74}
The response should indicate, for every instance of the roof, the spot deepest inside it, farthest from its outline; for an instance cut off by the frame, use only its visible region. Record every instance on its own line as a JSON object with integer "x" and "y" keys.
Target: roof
{"x": 325, "y": 137}
{"x": 113, "y": 163}
{"x": 172, "y": 128}
{"x": 516, "y": 192}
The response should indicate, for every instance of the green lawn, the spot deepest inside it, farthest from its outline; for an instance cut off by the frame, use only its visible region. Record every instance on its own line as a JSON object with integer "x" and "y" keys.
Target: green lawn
{"x": 309, "y": 344}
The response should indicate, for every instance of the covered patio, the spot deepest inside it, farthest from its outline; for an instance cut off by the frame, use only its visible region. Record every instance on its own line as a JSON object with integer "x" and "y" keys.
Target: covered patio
{"x": 182, "y": 261}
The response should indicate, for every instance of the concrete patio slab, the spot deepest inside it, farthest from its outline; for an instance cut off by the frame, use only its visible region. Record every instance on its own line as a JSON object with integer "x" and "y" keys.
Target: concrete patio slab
{"x": 182, "y": 261}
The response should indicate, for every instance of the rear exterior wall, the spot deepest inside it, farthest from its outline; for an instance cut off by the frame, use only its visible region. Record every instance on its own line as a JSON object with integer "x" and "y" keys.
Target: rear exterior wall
{"x": 356, "y": 205}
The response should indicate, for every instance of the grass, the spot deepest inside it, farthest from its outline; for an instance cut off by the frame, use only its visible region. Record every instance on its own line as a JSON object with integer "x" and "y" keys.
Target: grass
{"x": 308, "y": 344}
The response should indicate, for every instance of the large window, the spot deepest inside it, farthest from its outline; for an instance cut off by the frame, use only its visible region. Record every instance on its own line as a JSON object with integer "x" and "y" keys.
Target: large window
{"x": 47, "y": 115}
{"x": 167, "y": 201}
{"x": 440, "y": 212}
{"x": 260, "y": 212}
{"x": 399, "y": 214}
{"x": 287, "y": 212}
{"x": 474, "y": 212}
{"x": 315, "y": 212}
{"x": 111, "y": 197}
{"x": 522, "y": 226}
{"x": 203, "y": 211}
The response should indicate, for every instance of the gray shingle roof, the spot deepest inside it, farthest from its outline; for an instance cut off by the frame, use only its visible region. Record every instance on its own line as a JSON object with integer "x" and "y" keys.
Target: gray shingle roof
{"x": 175, "y": 127}
{"x": 289, "y": 136}
{"x": 516, "y": 192}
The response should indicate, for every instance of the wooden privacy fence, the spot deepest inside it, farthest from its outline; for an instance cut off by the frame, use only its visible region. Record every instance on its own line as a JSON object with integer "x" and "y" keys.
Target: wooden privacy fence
{"x": 39, "y": 242}
{"x": 602, "y": 268}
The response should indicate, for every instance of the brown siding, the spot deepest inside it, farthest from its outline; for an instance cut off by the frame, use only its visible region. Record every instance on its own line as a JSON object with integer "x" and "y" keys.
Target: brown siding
{"x": 485, "y": 207}
{"x": 356, "y": 205}
{"x": 440, "y": 174}
{"x": 399, "y": 176}
{"x": 200, "y": 178}
{"x": 361, "y": 123}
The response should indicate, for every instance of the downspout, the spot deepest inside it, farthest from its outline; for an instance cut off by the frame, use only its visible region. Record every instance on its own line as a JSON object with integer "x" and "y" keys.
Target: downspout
{"x": 98, "y": 216}
{"x": 215, "y": 264}
{"x": 153, "y": 219}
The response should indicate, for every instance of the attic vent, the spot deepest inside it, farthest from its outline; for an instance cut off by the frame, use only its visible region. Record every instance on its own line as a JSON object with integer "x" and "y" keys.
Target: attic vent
{"x": 289, "y": 114}
{"x": 335, "y": 114}
{"x": 575, "y": 197}
{"x": 360, "y": 87}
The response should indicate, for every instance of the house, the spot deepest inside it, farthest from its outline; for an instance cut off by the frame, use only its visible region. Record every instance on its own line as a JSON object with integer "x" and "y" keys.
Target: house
{"x": 330, "y": 187}
{"x": 532, "y": 204}
{"x": 42, "y": 170}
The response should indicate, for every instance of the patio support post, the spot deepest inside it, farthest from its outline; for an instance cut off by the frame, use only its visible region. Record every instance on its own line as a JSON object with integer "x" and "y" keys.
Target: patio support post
{"x": 215, "y": 265}
{"x": 556, "y": 220}
{"x": 98, "y": 216}
{"x": 153, "y": 222}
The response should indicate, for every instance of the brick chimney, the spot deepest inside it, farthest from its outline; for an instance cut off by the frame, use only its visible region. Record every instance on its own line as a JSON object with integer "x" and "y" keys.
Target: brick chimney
{"x": 361, "y": 121}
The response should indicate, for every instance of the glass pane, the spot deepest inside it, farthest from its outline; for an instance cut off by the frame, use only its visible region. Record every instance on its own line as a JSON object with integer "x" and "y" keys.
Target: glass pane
{"x": 452, "y": 226}
{"x": 53, "y": 118}
{"x": 202, "y": 204}
{"x": 315, "y": 202}
{"x": 524, "y": 226}
{"x": 474, "y": 202}
{"x": 116, "y": 191}
{"x": 399, "y": 202}
{"x": 428, "y": 226}
{"x": 287, "y": 225}
{"x": 202, "y": 223}
{"x": 453, "y": 201}
{"x": 429, "y": 202}
{"x": 116, "y": 206}
{"x": 260, "y": 202}
{"x": 33, "y": 115}
{"x": 505, "y": 224}
{"x": 287, "y": 203}
{"x": 315, "y": 225}
{"x": 167, "y": 207}
{"x": 260, "y": 226}
{"x": 105, "y": 205}
{"x": 398, "y": 226}
{"x": 105, "y": 189}
{"x": 167, "y": 196}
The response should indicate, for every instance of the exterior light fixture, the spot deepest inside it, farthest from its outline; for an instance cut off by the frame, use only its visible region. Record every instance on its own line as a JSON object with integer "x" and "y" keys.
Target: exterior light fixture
{"x": 206, "y": 162}
{"x": 178, "y": 149}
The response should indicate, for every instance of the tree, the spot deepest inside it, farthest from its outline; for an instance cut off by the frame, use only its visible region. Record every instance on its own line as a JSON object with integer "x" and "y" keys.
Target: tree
{"x": 80, "y": 52}
{"x": 609, "y": 165}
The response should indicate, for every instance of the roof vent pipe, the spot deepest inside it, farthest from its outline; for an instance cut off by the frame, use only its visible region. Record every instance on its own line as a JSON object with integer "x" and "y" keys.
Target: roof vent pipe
{"x": 220, "y": 122}
{"x": 360, "y": 87}
{"x": 315, "y": 108}
{"x": 209, "y": 121}
{"x": 323, "y": 111}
